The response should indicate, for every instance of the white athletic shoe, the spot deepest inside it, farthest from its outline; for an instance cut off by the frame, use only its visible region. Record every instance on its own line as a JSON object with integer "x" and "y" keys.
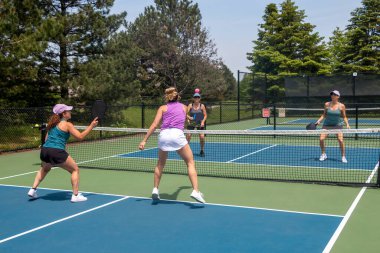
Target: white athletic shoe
{"x": 323, "y": 157}
{"x": 198, "y": 196}
{"x": 155, "y": 194}
{"x": 78, "y": 198}
{"x": 32, "y": 193}
{"x": 344, "y": 159}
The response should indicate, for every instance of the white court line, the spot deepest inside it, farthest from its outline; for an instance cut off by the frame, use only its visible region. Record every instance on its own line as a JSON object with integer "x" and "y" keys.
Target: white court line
{"x": 18, "y": 175}
{"x": 97, "y": 159}
{"x": 257, "y": 151}
{"x": 60, "y": 220}
{"x": 343, "y": 223}
{"x": 178, "y": 201}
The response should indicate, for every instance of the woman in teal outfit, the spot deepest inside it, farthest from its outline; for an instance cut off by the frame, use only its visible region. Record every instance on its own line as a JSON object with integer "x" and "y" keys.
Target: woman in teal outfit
{"x": 53, "y": 151}
{"x": 333, "y": 113}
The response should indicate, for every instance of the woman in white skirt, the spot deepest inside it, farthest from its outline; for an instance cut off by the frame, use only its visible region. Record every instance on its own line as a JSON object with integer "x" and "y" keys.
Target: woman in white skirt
{"x": 172, "y": 138}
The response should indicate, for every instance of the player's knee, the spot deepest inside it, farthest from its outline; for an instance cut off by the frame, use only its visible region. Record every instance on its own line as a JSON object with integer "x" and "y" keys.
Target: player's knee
{"x": 190, "y": 161}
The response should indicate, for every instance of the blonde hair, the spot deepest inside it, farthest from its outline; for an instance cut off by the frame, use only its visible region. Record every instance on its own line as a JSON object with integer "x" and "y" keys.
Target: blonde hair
{"x": 171, "y": 95}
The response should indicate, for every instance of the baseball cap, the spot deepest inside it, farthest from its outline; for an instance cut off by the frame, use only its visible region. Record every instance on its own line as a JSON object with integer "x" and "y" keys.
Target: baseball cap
{"x": 196, "y": 95}
{"x": 335, "y": 92}
{"x": 60, "y": 108}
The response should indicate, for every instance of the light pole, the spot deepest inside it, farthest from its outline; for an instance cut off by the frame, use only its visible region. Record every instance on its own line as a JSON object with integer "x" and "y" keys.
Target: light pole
{"x": 354, "y": 75}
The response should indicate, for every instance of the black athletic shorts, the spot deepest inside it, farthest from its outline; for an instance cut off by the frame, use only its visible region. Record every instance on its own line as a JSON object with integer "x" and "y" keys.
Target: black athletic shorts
{"x": 196, "y": 128}
{"x": 53, "y": 155}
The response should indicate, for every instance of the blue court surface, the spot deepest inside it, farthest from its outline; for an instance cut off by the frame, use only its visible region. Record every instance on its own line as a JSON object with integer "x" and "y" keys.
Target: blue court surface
{"x": 109, "y": 223}
{"x": 274, "y": 155}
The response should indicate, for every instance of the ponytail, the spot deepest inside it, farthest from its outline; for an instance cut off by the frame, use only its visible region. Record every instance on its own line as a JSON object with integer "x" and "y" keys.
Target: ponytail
{"x": 53, "y": 121}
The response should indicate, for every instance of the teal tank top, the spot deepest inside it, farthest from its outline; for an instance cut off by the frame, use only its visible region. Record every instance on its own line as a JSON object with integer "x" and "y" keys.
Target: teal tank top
{"x": 333, "y": 117}
{"x": 56, "y": 138}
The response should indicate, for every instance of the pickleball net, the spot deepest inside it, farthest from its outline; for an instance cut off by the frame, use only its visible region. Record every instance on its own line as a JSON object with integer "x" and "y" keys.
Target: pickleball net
{"x": 288, "y": 155}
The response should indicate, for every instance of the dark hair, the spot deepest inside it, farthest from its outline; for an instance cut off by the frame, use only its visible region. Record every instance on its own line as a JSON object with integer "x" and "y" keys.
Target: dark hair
{"x": 54, "y": 120}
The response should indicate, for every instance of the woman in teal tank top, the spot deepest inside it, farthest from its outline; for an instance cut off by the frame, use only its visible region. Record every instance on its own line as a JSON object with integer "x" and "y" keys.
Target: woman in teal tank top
{"x": 53, "y": 151}
{"x": 333, "y": 114}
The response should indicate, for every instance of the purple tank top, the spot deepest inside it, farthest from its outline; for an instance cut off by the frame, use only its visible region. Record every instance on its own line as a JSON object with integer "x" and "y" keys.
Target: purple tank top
{"x": 174, "y": 117}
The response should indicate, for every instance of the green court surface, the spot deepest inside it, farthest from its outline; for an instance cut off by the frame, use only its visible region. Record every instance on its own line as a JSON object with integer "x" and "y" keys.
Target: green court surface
{"x": 358, "y": 235}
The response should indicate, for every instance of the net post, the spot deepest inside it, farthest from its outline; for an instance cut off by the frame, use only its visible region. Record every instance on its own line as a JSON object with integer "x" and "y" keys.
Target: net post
{"x": 357, "y": 116}
{"x": 274, "y": 119}
{"x": 356, "y": 119}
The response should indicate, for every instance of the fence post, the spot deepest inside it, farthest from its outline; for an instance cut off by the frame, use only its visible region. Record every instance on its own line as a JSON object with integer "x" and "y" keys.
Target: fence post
{"x": 142, "y": 115}
{"x": 220, "y": 112}
{"x": 274, "y": 117}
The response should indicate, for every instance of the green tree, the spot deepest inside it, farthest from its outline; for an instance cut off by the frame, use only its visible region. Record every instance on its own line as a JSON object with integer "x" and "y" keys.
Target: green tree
{"x": 362, "y": 50}
{"x": 230, "y": 80}
{"x": 78, "y": 33}
{"x": 22, "y": 40}
{"x": 336, "y": 45}
{"x": 112, "y": 76}
{"x": 176, "y": 47}
{"x": 287, "y": 45}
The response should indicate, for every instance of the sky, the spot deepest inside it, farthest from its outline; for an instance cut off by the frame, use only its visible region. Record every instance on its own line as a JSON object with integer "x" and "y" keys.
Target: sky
{"x": 233, "y": 24}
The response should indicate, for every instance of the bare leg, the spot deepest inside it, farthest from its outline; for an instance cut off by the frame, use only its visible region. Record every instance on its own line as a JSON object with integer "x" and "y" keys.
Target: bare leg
{"x": 322, "y": 143}
{"x": 187, "y": 156}
{"x": 41, "y": 174}
{"x": 162, "y": 156}
{"x": 73, "y": 169}
{"x": 341, "y": 144}
{"x": 202, "y": 141}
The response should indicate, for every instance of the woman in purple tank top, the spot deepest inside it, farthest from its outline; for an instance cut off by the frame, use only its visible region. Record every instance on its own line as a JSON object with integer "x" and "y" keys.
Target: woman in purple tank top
{"x": 172, "y": 138}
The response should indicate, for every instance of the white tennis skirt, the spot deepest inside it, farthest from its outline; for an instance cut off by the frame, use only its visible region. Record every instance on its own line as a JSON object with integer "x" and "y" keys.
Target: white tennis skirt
{"x": 171, "y": 139}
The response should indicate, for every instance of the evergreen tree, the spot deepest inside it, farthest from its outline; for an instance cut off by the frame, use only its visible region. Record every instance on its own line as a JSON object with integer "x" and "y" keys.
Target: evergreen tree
{"x": 112, "y": 76}
{"x": 336, "y": 47}
{"x": 286, "y": 45}
{"x": 362, "y": 51}
{"x": 22, "y": 36}
{"x": 78, "y": 33}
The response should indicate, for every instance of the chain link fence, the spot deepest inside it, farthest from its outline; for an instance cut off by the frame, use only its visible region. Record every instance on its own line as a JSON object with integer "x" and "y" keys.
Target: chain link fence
{"x": 20, "y": 128}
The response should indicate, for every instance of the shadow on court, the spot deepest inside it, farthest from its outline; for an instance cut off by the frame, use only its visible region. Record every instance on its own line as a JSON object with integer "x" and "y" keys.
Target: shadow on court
{"x": 190, "y": 205}
{"x": 58, "y": 196}
{"x": 175, "y": 194}
{"x": 174, "y": 203}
